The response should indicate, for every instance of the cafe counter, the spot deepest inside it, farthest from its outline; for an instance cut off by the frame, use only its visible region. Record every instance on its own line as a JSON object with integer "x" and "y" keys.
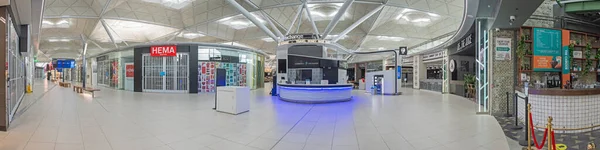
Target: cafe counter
{"x": 315, "y": 93}
{"x": 572, "y": 110}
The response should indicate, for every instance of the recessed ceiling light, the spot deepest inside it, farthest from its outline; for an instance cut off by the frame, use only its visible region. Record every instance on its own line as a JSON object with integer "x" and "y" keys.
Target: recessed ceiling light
{"x": 191, "y": 35}
{"x": 268, "y": 39}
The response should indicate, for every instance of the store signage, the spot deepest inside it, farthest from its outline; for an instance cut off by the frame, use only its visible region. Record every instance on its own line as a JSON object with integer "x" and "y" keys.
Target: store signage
{"x": 503, "y": 48}
{"x": 433, "y": 55}
{"x": 467, "y": 41}
{"x": 452, "y": 65}
{"x": 547, "y": 50}
{"x": 403, "y": 50}
{"x": 129, "y": 69}
{"x": 168, "y": 50}
{"x": 301, "y": 37}
{"x": 303, "y": 62}
{"x": 102, "y": 58}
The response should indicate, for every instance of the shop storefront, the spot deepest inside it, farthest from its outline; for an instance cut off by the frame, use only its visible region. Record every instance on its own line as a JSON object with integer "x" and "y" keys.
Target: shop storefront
{"x": 462, "y": 66}
{"x": 178, "y": 68}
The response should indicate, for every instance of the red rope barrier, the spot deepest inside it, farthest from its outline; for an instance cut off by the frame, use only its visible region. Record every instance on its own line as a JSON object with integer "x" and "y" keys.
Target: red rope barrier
{"x": 553, "y": 140}
{"x": 533, "y": 134}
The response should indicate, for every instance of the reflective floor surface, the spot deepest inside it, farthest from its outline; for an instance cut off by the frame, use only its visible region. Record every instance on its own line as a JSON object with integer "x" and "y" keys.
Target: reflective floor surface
{"x": 121, "y": 120}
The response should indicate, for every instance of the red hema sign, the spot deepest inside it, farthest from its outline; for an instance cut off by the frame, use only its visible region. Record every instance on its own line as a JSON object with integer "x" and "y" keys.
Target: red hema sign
{"x": 169, "y": 50}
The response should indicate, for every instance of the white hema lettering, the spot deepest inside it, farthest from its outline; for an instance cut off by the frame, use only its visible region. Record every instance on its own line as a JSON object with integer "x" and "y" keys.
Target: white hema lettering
{"x": 163, "y": 50}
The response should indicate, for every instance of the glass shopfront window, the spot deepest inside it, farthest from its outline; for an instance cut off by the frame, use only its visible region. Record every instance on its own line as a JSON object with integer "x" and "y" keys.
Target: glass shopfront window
{"x": 236, "y": 67}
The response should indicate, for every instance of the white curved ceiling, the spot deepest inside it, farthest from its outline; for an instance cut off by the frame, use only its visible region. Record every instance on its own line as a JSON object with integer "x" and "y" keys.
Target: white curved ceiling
{"x": 108, "y": 24}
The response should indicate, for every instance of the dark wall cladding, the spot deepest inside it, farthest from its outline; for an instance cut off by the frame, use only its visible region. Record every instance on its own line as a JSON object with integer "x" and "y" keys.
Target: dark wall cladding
{"x": 306, "y": 50}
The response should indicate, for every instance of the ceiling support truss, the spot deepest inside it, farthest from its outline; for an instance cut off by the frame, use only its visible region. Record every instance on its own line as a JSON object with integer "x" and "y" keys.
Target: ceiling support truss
{"x": 357, "y": 23}
{"x": 252, "y": 19}
{"x": 310, "y": 18}
{"x": 298, "y": 13}
{"x": 336, "y": 18}
{"x": 112, "y": 38}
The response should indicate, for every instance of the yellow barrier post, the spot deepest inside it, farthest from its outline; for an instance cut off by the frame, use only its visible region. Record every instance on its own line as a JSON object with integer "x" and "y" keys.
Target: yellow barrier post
{"x": 29, "y": 88}
{"x": 549, "y": 128}
{"x": 528, "y": 126}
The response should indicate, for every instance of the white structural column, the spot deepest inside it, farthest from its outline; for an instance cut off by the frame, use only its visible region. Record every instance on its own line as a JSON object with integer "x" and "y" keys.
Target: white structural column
{"x": 298, "y": 13}
{"x": 358, "y": 22}
{"x": 312, "y": 22}
{"x": 112, "y": 38}
{"x": 336, "y": 18}
{"x": 252, "y": 19}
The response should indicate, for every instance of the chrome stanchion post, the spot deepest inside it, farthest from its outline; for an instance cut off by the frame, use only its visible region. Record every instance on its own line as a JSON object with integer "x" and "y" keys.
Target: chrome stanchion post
{"x": 507, "y": 103}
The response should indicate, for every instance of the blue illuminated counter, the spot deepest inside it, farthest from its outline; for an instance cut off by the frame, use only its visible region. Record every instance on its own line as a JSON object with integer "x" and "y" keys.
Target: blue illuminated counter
{"x": 315, "y": 93}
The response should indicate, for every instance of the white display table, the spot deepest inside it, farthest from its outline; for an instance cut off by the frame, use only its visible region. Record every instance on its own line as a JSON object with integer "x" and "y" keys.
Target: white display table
{"x": 233, "y": 99}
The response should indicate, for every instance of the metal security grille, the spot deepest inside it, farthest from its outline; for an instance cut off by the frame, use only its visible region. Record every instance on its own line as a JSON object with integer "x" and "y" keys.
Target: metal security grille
{"x": 15, "y": 87}
{"x": 165, "y": 74}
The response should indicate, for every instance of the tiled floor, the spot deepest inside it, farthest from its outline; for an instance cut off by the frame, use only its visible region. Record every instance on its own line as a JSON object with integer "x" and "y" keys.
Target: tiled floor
{"x": 122, "y": 120}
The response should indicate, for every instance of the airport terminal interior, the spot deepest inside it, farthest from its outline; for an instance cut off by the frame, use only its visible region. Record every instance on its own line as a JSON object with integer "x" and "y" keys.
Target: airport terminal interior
{"x": 300, "y": 74}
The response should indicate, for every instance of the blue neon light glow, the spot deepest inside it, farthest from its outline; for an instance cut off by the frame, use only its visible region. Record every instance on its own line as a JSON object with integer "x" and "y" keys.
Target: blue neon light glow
{"x": 316, "y": 88}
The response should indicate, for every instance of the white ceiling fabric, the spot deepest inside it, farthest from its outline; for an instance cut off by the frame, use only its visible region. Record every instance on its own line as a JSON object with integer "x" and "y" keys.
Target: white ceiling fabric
{"x": 108, "y": 24}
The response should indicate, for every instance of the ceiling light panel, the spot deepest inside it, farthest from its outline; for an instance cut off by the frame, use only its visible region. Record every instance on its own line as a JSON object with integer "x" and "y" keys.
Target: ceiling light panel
{"x": 190, "y": 35}
{"x": 326, "y": 11}
{"x": 240, "y": 21}
{"x": 408, "y": 16}
{"x": 122, "y": 30}
{"x": 61, "y": 23}
{"x": 175, "y": 4}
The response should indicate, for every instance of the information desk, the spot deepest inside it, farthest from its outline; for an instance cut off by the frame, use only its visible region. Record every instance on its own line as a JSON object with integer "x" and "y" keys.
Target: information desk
{"x": 572, "y": 110}
{"x": 315, "y": 93}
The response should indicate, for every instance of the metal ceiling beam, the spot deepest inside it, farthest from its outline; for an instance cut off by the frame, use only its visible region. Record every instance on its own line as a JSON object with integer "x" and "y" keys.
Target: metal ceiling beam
{"x": 105, "y": 26}
{"x": 272, "y": 25}
{"x": 268, "y": 19}
{"x": 298, "y": 13}
{"x": 336, "y": 18}
{"x": 314, "y": 26}
{"x": 104, "y": 9}
{"x": 252, "y": 19}
{"x": 358, "y": 22}
{"x": 84, "y": 41}
{"x": 300, "y": 19}
{"x": 175, "y": 35}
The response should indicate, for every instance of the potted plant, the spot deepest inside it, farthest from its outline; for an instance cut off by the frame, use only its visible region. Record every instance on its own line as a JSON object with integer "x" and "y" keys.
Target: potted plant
{"x": 470, "y": 84}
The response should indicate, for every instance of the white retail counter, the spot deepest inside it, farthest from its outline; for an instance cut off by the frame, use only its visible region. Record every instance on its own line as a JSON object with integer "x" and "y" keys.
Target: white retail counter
{"x": 315, "y": 93}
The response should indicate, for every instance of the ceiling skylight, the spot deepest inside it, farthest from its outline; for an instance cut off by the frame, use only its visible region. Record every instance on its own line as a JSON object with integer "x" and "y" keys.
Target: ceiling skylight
{"x": 59, "y": 40}
{"x": 175, "y": 4}
{"x": 390, "y": 38}
{"x": 325, "y": 11}
{"x": 268, "y": 39}
{"x": 417, "y": 18}
{"x": 331, "y": 37}
{"x": 130, "y": 31}
{"x": 56, "y": 24}
{"x": 240, "y": 21}
{"x": 190, "y": 35}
